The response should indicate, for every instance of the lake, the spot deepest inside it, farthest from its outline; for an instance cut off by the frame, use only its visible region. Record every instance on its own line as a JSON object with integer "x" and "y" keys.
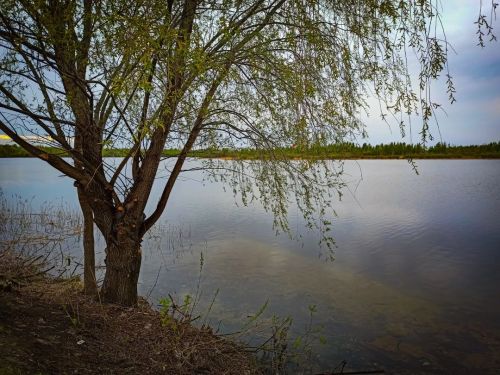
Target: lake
{"x": 414, "y": 287}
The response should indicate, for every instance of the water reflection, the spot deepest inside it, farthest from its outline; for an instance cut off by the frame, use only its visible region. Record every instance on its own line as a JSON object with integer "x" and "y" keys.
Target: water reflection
{"x": 414, "y": 286}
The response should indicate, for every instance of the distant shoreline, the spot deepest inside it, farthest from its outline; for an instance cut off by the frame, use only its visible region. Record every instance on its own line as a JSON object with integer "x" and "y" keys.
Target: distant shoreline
{"x": 347, "y": 151}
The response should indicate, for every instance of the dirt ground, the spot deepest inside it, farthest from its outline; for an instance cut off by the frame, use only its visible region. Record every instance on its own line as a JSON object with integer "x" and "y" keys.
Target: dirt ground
{"x": 48, "y": 327}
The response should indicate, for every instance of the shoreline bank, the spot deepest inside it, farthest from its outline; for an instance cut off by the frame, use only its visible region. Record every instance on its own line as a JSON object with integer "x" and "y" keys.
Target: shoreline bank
{"x": 48, "y": 326}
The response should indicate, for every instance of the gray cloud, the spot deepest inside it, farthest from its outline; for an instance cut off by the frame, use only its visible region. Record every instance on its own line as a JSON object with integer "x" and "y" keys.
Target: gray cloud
{"x": 475, "y": 117}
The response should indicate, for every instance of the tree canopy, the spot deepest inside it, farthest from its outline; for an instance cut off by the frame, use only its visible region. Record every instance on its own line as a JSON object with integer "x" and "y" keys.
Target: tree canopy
{"x": 208, "y": 73}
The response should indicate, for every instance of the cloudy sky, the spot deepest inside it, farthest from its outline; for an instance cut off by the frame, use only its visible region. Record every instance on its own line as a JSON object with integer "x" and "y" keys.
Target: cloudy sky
{"x": 475, "y": 117}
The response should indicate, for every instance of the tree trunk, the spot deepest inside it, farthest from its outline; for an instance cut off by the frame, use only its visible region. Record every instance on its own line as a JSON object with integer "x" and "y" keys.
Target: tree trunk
{"x": 123, "y": 264}
{"x": 89, "y": 279}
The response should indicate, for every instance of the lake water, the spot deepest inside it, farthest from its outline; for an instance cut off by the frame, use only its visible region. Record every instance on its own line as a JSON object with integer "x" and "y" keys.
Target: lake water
{"x": 414, "y": 287}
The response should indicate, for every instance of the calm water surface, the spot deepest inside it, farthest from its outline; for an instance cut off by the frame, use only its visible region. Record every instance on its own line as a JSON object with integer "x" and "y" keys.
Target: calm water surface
{"x": 414, "y": 287}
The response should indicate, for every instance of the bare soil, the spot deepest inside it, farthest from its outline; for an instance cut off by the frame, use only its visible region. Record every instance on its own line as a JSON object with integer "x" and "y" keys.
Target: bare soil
{"x": 48, "y": 326}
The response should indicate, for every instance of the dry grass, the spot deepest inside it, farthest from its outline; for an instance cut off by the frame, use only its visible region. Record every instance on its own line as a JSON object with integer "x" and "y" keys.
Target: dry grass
{"x": 49, "y": 326}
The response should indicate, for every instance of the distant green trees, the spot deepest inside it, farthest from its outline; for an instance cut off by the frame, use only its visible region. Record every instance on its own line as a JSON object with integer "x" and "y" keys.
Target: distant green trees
{"x": 335, "y": 151}
{"x": 404, "y": 149}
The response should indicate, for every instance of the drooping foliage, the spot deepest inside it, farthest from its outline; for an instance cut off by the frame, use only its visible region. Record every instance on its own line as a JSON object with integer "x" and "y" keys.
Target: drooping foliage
{"x": 266, "y": 74}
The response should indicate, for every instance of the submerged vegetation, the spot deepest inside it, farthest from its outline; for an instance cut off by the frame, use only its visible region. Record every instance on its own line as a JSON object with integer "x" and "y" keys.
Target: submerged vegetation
{"x": 347, "y": 150}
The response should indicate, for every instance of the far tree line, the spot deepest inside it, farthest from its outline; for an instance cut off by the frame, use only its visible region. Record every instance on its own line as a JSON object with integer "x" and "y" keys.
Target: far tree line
{"x": 340, "y": 150}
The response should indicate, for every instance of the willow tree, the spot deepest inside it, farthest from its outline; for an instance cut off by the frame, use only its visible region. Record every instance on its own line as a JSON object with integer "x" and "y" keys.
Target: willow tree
{"x": 265, "y": 74}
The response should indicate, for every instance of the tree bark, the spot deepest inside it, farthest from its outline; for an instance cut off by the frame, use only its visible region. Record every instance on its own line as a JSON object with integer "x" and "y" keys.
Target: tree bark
{"x": 123, "y": 264}
{"x": 89, "y": 279}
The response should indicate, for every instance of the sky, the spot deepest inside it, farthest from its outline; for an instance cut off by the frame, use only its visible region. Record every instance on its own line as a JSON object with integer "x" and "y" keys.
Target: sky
{"x": 475, "y": 117}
